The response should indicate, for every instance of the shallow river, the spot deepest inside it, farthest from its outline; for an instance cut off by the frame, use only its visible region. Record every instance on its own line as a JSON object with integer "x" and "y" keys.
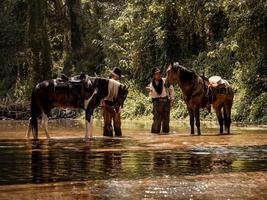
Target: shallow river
{"x": 139, "y": 165}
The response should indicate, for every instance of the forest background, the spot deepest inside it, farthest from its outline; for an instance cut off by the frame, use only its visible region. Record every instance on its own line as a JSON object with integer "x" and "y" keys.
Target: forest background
{"x": 41, "y": 39}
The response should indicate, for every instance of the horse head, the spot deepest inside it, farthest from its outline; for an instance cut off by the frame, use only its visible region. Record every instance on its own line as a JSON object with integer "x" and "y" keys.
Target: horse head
{"x": 180, "y": 74}
{"x": 172, "y": 73}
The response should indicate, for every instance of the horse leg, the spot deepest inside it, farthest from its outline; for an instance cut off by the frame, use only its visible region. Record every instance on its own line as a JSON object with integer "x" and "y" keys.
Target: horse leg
{"x": 227, "y": 117}
{"x": 197, "y": 121}
{"x": 28, "y": 129}
{"x": 89, "y": 128}
{"x": 191, "y": 115}
{"x": 220, "y": 118}
{"x": 45, "y": 124}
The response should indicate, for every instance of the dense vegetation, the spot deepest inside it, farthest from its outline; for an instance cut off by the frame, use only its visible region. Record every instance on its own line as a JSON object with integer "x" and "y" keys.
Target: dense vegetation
{"x": 40, "y": 39}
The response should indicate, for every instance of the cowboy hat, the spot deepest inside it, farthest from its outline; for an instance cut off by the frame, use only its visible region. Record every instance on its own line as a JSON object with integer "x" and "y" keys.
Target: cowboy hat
{"x": 154, "y": 71}
{"x": 116, "y": 72}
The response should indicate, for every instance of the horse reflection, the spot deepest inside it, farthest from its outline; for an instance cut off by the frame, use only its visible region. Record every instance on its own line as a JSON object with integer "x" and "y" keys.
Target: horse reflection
{"x": 51, "y": 162}
{"x": 39, "y": 164}
{"x": 112, "y": 163}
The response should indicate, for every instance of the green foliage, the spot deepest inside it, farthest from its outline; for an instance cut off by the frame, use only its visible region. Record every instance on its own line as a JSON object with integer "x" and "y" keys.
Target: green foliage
{"x": 137, "y": 104}
{"x": 12, "y": 40}
{"x": 258, "y": 109}
{"x": 214, "y": 37}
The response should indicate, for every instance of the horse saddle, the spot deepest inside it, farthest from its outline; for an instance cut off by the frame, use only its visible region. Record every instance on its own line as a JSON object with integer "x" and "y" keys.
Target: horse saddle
{"x": 79, "y": 78}
{"x": 217, "y": 85}
{"x": 73, "y": 85}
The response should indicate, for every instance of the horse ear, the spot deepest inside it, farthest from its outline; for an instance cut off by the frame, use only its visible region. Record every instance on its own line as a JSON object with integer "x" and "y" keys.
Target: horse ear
{"x": 169, "y": 67}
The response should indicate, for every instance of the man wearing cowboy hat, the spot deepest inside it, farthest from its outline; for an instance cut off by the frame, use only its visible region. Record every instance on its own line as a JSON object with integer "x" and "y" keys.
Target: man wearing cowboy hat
{"x": 116, "y": 74}
{"x": 162, "y": 98}
{"x": 109, "y": 112}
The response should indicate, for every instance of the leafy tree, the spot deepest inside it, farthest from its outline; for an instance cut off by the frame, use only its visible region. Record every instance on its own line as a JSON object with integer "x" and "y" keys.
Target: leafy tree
{"x": 214, "y": 37}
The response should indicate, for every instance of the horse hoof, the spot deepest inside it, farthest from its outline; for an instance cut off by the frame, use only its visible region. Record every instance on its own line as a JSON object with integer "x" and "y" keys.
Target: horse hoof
{"x": 88, "y": 139}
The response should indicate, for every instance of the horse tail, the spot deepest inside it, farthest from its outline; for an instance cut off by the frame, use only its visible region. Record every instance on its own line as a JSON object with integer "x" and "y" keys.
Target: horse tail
{"x": 34, "y": 115}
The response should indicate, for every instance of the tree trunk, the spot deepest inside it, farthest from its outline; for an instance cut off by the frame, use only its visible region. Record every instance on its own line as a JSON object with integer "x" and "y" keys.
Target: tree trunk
{"x": 73, "y": 42}
{"x": 74, "y": 10}
{"x": 38, "y": 41}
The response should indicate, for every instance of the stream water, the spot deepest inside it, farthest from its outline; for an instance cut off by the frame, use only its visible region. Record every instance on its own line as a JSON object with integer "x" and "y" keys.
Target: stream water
{"x": 139, "y": 165}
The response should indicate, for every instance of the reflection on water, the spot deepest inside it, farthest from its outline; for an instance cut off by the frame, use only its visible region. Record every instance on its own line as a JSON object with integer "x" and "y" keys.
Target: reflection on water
{"x": 74, "y": 160}
{"x": 139, "y": 165}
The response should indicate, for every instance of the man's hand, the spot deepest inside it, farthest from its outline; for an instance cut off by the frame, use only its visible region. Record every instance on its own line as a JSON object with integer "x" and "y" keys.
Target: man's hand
{"x": 148, "y": 89}
{"x": 172, "y": 102}
{"x": 117, "y": 109}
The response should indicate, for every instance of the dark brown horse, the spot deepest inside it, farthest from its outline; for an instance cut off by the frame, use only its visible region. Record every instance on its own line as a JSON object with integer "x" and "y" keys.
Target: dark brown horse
{"x": 199, "y": 92}
{"x": 77, "y": 92}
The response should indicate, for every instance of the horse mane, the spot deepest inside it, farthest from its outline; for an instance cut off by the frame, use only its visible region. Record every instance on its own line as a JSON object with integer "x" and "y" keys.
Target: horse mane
{"x": 186, "y": 74}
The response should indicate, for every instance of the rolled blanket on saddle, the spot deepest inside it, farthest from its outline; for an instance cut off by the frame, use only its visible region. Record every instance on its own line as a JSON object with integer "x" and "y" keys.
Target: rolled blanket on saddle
{"x": 218, "y": 86}
{"x": 217, "y": 81}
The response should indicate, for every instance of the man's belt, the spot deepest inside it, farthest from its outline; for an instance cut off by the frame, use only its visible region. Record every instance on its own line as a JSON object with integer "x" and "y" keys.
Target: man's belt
{"x": 163, "y": 99}
{"x": 109, "y": 103}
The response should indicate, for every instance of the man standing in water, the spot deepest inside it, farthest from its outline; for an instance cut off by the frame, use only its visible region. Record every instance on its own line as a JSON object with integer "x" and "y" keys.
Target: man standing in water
{"x": 109, "y": 112}
{"x": 162, "y": 98}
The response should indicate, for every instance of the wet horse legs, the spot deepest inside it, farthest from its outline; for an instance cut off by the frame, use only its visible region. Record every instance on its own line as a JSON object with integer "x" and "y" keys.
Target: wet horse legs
{"x": 28, "y": 129}
{"x": 220, "y": 118}
{"x": 197, "y": 121}
{"x": 227, "y": 117}
{"x": 194, "y": 114}
{"x": 88, "y": 126}
{"x": 191, "y": 115}
{"x": 45, "y": 124}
